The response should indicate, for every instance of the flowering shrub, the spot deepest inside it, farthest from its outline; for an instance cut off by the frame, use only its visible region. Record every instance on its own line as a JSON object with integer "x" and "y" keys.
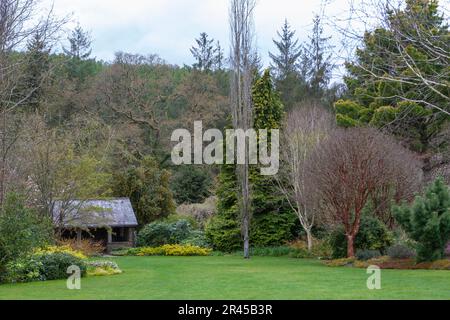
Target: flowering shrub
{"x": 102, "y": 264}
{"x": 43, "y": 266}
{"x": 102, "y": 268}
{"x": 170, "y": 250}
{"x": 55, "y": 264}
{"x": 61, "y": 249}
{"x": 24, "y": 270}
{"x": 87, "y": 247}
{"x": 49, "y": 263}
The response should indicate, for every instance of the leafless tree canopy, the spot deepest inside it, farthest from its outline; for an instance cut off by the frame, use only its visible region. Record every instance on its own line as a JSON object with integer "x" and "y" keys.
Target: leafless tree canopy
{"x": 305, "y": 128}
{"x": 18, "y": 23}
{"x": 352, "y": 166}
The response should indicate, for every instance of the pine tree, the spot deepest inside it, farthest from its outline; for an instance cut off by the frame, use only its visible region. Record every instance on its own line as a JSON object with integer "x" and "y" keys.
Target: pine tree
{"x": 316, "y": 62}
{"x": 79, "y": 65}
{"x": 290, "y": 51}
{"x": 285, "y": 66}
{"x": 427, "y": 221}
{"x": 219, "y": 58}
{"x": 204, "y": 53}
{"x": 80, "y": 44}
{"x": 37, "y": 66}
{"x": 224, "y": 229}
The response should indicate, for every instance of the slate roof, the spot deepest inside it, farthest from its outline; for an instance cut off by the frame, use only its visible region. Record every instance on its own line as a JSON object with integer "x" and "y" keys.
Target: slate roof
{"x": 97, "y": 213}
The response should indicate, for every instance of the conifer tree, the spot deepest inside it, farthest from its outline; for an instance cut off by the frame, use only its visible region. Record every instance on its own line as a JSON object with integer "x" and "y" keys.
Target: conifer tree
{"x": 316, "y": 62}
{"x": 289, "y": 52}
{"x": 224, "y": 229}
{"x": 273, "y": 220}
{"x": 38, "y": 64}
{"x": 80, "y": 44}
{"x": 204, "y": 53}
{"x": 285, "y": 66}
{"x": 427, "y": 221}
{"x": 219, "y": 58}
{"x": 79, "y": 66}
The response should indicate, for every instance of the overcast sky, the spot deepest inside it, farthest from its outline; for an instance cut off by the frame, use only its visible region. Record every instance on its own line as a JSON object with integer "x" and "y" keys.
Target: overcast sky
{"x": 169, "y": 27}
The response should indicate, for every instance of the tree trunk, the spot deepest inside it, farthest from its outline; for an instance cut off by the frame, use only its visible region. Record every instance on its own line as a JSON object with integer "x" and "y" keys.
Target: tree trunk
{"x": 246, "y": 203}
{"x": 350, "y": 246}
{"x": 246, "y": 245}
{"x": 309, "y": 239}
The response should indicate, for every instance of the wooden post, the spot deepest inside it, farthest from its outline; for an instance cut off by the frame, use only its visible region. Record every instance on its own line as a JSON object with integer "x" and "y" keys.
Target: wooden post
{"x": 108, "y": 246}
{"x": 131, "y": 236}
{"x": 79, "y": 236}
{"x": 110, "y": 236}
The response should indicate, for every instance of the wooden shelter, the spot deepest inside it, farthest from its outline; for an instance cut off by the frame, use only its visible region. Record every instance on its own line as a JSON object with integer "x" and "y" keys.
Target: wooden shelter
{"x": 112, "y": 222}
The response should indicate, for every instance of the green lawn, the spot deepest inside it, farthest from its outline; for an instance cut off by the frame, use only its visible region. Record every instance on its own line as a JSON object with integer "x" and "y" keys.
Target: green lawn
{"x": 193, "y": 278}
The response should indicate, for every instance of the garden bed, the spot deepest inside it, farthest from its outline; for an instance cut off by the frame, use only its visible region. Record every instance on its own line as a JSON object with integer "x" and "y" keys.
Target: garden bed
{"x": 390, "y": 263}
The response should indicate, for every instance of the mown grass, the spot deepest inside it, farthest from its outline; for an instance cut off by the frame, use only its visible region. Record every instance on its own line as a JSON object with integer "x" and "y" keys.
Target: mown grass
{"x": 231, "y": 277}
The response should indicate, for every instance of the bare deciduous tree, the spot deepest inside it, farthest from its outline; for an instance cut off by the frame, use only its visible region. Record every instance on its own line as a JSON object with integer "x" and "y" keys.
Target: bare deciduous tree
{"x": 242, "y": 58}
{"x": 350, "y": 167}
{"x": 18, "y": 23}
{"x": 304, "y": 129}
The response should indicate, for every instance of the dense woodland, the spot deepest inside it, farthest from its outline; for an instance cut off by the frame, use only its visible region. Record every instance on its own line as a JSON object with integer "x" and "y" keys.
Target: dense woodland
{"x": 73, "y": 127}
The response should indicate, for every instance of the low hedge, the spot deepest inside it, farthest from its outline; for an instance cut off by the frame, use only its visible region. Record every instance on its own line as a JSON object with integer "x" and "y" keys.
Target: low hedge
{"x": 297, "y": 249}
{"x": 281, "y": 251}
{"x": 170, "y": 250}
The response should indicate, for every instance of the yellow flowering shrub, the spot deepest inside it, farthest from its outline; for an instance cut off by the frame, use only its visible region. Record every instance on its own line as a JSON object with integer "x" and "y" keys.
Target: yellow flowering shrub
{"x": 60, "y": 249}
{"x": 170, "y": 250}
{"x": 102, "y": 268}
{"x": 102, "y": 272}
{"x": 88, "y": 247}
